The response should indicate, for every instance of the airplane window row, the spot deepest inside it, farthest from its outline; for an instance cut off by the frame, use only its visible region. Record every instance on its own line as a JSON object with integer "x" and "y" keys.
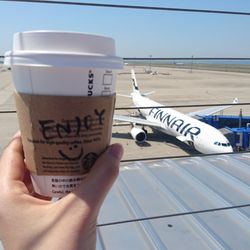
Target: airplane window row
{"x": 222, "y": 144}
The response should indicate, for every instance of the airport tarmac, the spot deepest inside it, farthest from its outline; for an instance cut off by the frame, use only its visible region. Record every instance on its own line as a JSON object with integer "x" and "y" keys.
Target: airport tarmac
{"x": 177, "y": 87}
{"x": 172, "y": 87}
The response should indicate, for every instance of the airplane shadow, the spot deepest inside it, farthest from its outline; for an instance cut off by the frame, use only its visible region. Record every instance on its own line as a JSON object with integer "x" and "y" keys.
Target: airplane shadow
{"x": 128, "y": 136}
{"x": 121, "y": 135}
{"x": 143, "y": 144}
{"x": 158, "y": 136}
{"x": 172, "y": 142}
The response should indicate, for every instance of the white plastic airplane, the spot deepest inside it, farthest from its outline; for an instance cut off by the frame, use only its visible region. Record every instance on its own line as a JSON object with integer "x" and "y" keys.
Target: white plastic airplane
{"x": 203, "y": 137}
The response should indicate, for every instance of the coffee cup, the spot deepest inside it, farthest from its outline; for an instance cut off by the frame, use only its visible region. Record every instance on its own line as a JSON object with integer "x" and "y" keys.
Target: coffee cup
{"x": 65, "y": 97}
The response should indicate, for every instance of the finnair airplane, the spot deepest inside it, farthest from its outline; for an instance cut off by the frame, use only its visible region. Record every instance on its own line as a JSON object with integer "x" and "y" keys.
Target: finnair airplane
{"x": 199, "y": 135}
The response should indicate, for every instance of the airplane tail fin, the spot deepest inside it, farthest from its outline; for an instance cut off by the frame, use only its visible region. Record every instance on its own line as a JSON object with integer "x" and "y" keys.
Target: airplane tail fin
{"x": 134, "y": 82}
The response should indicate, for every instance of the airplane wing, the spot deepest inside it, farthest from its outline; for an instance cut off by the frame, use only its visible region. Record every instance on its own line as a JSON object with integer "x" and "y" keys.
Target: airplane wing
{"x": 148, "y": 93}
{"x": 143, "y": 94}
{"x": 123, "y": 95}
{"x": 136, "y": 120}
{"x": 210, "y": 111}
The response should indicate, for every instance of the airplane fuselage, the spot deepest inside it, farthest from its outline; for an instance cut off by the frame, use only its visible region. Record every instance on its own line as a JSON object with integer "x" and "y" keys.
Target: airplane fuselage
{"x": 203, "y": 137}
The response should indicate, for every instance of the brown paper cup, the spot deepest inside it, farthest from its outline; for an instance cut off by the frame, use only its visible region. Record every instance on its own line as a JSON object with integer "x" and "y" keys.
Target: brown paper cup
{"x": 65, "y": 96}
{"x": 63, "y": 136}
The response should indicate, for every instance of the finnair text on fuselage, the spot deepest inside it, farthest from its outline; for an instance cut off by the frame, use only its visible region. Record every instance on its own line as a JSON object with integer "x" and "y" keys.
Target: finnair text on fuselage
{"x": 175, "y": 123}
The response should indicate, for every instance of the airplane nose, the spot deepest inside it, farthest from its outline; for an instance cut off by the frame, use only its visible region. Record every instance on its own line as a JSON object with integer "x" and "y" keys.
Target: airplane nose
{"x": 216, "y": 149}
{"x": 226, "y": 150}
{"x": 230, "y": 149}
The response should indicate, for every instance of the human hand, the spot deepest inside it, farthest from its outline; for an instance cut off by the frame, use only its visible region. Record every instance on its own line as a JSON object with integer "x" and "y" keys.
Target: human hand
{"x": 28, "y": 222}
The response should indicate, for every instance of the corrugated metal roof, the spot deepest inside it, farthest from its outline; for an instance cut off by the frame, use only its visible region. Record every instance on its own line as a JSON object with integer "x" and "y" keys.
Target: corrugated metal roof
{"x": 183, "y": 191}
{"x": 190, "y": 200}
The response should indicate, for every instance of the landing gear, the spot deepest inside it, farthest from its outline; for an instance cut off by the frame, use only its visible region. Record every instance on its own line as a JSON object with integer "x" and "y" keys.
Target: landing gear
{"x": 191, "y": 144}
{"x": 146, "y": 132}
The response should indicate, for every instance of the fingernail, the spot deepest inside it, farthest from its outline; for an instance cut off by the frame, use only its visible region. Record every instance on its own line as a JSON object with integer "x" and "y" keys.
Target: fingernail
{"x": 116, "y": 150}
{"x": 17, "y": 134}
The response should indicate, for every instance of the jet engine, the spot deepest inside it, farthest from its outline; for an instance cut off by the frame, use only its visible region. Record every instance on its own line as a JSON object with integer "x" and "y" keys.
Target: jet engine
{"x": 138, "y": 134}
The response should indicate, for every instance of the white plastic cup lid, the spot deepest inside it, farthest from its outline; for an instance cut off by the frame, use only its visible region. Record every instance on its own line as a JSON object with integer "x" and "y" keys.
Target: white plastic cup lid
{"x": 62, "y": 49}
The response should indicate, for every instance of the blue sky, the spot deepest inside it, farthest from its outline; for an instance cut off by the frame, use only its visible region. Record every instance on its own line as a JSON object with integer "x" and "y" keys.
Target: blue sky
{"x": 140, "y": 33}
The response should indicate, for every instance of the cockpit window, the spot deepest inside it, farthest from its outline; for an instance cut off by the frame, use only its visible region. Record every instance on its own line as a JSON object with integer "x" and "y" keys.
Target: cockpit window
{"x": 222, "y": 144}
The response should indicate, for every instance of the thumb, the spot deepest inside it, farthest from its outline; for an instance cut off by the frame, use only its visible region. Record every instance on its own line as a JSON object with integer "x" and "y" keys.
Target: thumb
{"x": 98, "y": 182}
{"x": 12, "y": 160}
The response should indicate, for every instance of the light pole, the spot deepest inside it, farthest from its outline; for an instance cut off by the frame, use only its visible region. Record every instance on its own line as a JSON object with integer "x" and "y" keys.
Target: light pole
{"x": 150, "y": 58}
